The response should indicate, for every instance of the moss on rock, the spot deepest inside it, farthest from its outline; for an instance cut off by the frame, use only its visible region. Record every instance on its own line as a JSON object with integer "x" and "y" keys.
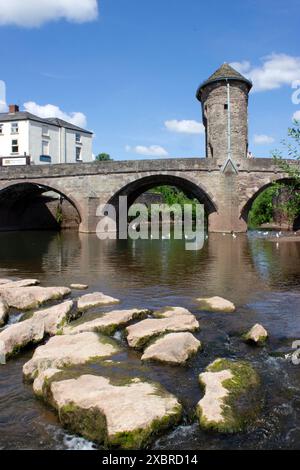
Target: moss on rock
{"x": 236, "y": 395}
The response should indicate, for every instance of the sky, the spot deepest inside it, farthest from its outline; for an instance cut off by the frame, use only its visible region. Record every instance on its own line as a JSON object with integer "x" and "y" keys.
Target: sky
{"x": 129, "y": 69}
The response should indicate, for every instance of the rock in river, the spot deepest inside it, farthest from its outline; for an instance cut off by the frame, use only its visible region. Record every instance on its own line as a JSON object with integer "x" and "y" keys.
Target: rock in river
{"x": 95, "y": 299}
{"x": 107, "y": 323}
{"x": 140, "y": 333}
{"x": 216, "y": 304}
{"x": 79, "y": 286}
{"x": 20, "y": 283}
{"x": 230, "y": 399}
{"x": 67, "y": 350}
{"x": 173, "y": 348}
{"x": 171, "y": 312}
{"x": 28, "y": 298}
{"x": 3, "y": 312}
{"x": 257, "y": 335}
{"x": 33, "y": 330}
{"x": 126, "y": 416}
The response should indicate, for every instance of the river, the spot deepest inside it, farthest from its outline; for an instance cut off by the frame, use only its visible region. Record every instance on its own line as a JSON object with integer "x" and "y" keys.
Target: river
{"x": 260, "y": 277}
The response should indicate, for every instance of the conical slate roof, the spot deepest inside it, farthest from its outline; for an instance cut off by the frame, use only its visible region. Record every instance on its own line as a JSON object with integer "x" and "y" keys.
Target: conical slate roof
{"x": 225, "y": 72}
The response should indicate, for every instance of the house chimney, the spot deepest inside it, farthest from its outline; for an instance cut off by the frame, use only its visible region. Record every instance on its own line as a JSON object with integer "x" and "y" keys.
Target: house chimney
{"x": 14, "y": 108}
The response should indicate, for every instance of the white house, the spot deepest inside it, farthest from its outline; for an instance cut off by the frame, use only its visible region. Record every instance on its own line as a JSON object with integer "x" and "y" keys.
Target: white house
{"x": 29, "y": 139}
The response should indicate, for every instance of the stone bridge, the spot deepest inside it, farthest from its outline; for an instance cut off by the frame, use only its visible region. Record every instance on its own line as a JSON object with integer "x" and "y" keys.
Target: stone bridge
{"x": 227, "y": 192}
{"x": 226, "y": 181}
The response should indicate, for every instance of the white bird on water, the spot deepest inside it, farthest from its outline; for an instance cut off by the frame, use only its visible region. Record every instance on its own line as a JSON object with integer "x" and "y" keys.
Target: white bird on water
{"x": 277, "y": 235}
{"x": 234, "y": 235}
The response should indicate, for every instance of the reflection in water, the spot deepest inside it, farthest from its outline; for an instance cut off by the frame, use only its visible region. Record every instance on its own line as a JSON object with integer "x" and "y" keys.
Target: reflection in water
{"x": 262, "y": 279}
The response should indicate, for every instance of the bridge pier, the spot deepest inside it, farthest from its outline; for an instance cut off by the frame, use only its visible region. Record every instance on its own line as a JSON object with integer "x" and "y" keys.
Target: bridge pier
{"x": 228, "y": 217}
{"x": 89, "y": 219}
{"x": 226, "y": 222}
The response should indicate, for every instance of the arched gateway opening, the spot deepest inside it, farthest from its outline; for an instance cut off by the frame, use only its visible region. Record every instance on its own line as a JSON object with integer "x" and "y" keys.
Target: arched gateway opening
{"x": 138, "y": 189}
{"x": 32, "y": 206}
{"x": 268, "y": 206}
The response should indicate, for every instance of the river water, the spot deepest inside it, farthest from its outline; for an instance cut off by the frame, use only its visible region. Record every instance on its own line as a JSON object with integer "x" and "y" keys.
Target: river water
{"x": 260, "y": 277}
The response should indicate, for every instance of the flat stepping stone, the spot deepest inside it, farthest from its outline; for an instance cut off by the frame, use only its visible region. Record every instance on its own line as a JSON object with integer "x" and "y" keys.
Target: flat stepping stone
{"x": 29, "y": 298}
{"x": 140, "y": 333}
{"x": 67, "y": 350}
{"x": 257, "y": 335}
{"x": 173, "y": 348}
{"x": 79, "y": 286}
{"x": 48, "y": 321}
{"x": 20, "y": 283}
{"x": 216, "y": 304}
{"x": 120, "y": 416}
{"x": 107, "y": 323}
{"x": 95, "y": 299}
{"x": 171, "y": 312}
{"x": 227, "y": 384}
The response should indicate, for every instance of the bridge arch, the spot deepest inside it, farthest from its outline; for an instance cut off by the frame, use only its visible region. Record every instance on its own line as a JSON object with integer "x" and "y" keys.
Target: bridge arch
{"x": 25, "y": 205}
{"x": 245, "y": 209}
{"x": 139, "y": 186}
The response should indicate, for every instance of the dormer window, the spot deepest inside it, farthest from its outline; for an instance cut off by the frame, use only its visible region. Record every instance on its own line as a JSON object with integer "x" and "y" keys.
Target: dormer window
{"x": 15, "y": 128}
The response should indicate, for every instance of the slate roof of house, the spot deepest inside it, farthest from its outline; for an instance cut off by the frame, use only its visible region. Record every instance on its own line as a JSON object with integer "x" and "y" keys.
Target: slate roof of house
{"x": 225, "y": 72}
{"x": 24, "y": 116}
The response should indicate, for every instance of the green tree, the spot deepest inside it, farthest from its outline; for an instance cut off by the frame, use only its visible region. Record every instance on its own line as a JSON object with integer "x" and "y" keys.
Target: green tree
{"x": 262, "y": 209}
{"x": 103, "y": 157}
{"x": 290, "y": 205}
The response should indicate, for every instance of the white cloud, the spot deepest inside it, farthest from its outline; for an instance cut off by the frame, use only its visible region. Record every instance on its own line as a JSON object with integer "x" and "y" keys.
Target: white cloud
{"x": 296, "y": 116}
{"x": 50, "y": 110}
{"x": 263, "y": 139}
{"x": 185, "y": 126}
{"x": 32, "y": 13}
{"x": 275, "y": 71}
{"x": 151, "y": 151}
{"x": 3, "y": 104}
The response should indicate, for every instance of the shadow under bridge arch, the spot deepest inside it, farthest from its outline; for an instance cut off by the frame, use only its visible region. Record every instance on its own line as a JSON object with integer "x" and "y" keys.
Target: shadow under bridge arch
{"x": 34, "y": 206}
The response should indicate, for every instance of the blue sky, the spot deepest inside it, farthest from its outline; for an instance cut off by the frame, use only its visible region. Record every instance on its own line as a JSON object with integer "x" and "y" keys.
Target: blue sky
{"x": 133, "y": 65}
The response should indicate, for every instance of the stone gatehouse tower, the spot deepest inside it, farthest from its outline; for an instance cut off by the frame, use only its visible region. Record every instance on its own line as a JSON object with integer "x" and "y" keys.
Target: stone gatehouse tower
{"x": 224, "y": 99}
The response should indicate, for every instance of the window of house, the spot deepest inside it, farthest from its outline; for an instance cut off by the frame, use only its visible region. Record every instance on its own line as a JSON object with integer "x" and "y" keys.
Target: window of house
{"x": 14, "y": 127}
{"x": 45, "y": 130}
{"x": 14, "y": 146}
{"x": 78, "y": 154}
{"x": 1, "y": 129}
{"x": 45, "y": 147}
{"x": 78, "y": 138}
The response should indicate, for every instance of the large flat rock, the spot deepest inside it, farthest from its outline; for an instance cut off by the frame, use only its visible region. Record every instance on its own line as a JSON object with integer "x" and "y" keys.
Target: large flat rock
{"x": 28, "y": 298}
{"x": 20, "y": 283}
{"x": 173, "y": 348}
{"x": 47, "y": 321}
{"x": 230, "y": 401}
{"x": 95, "y": 299}
{"x": 107, "y": 323}
{"x": 67, "y": 350}
{"x": 140, "y": 333}
{"x": 216, "y": 304}
{"x": 125, "y": 416}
